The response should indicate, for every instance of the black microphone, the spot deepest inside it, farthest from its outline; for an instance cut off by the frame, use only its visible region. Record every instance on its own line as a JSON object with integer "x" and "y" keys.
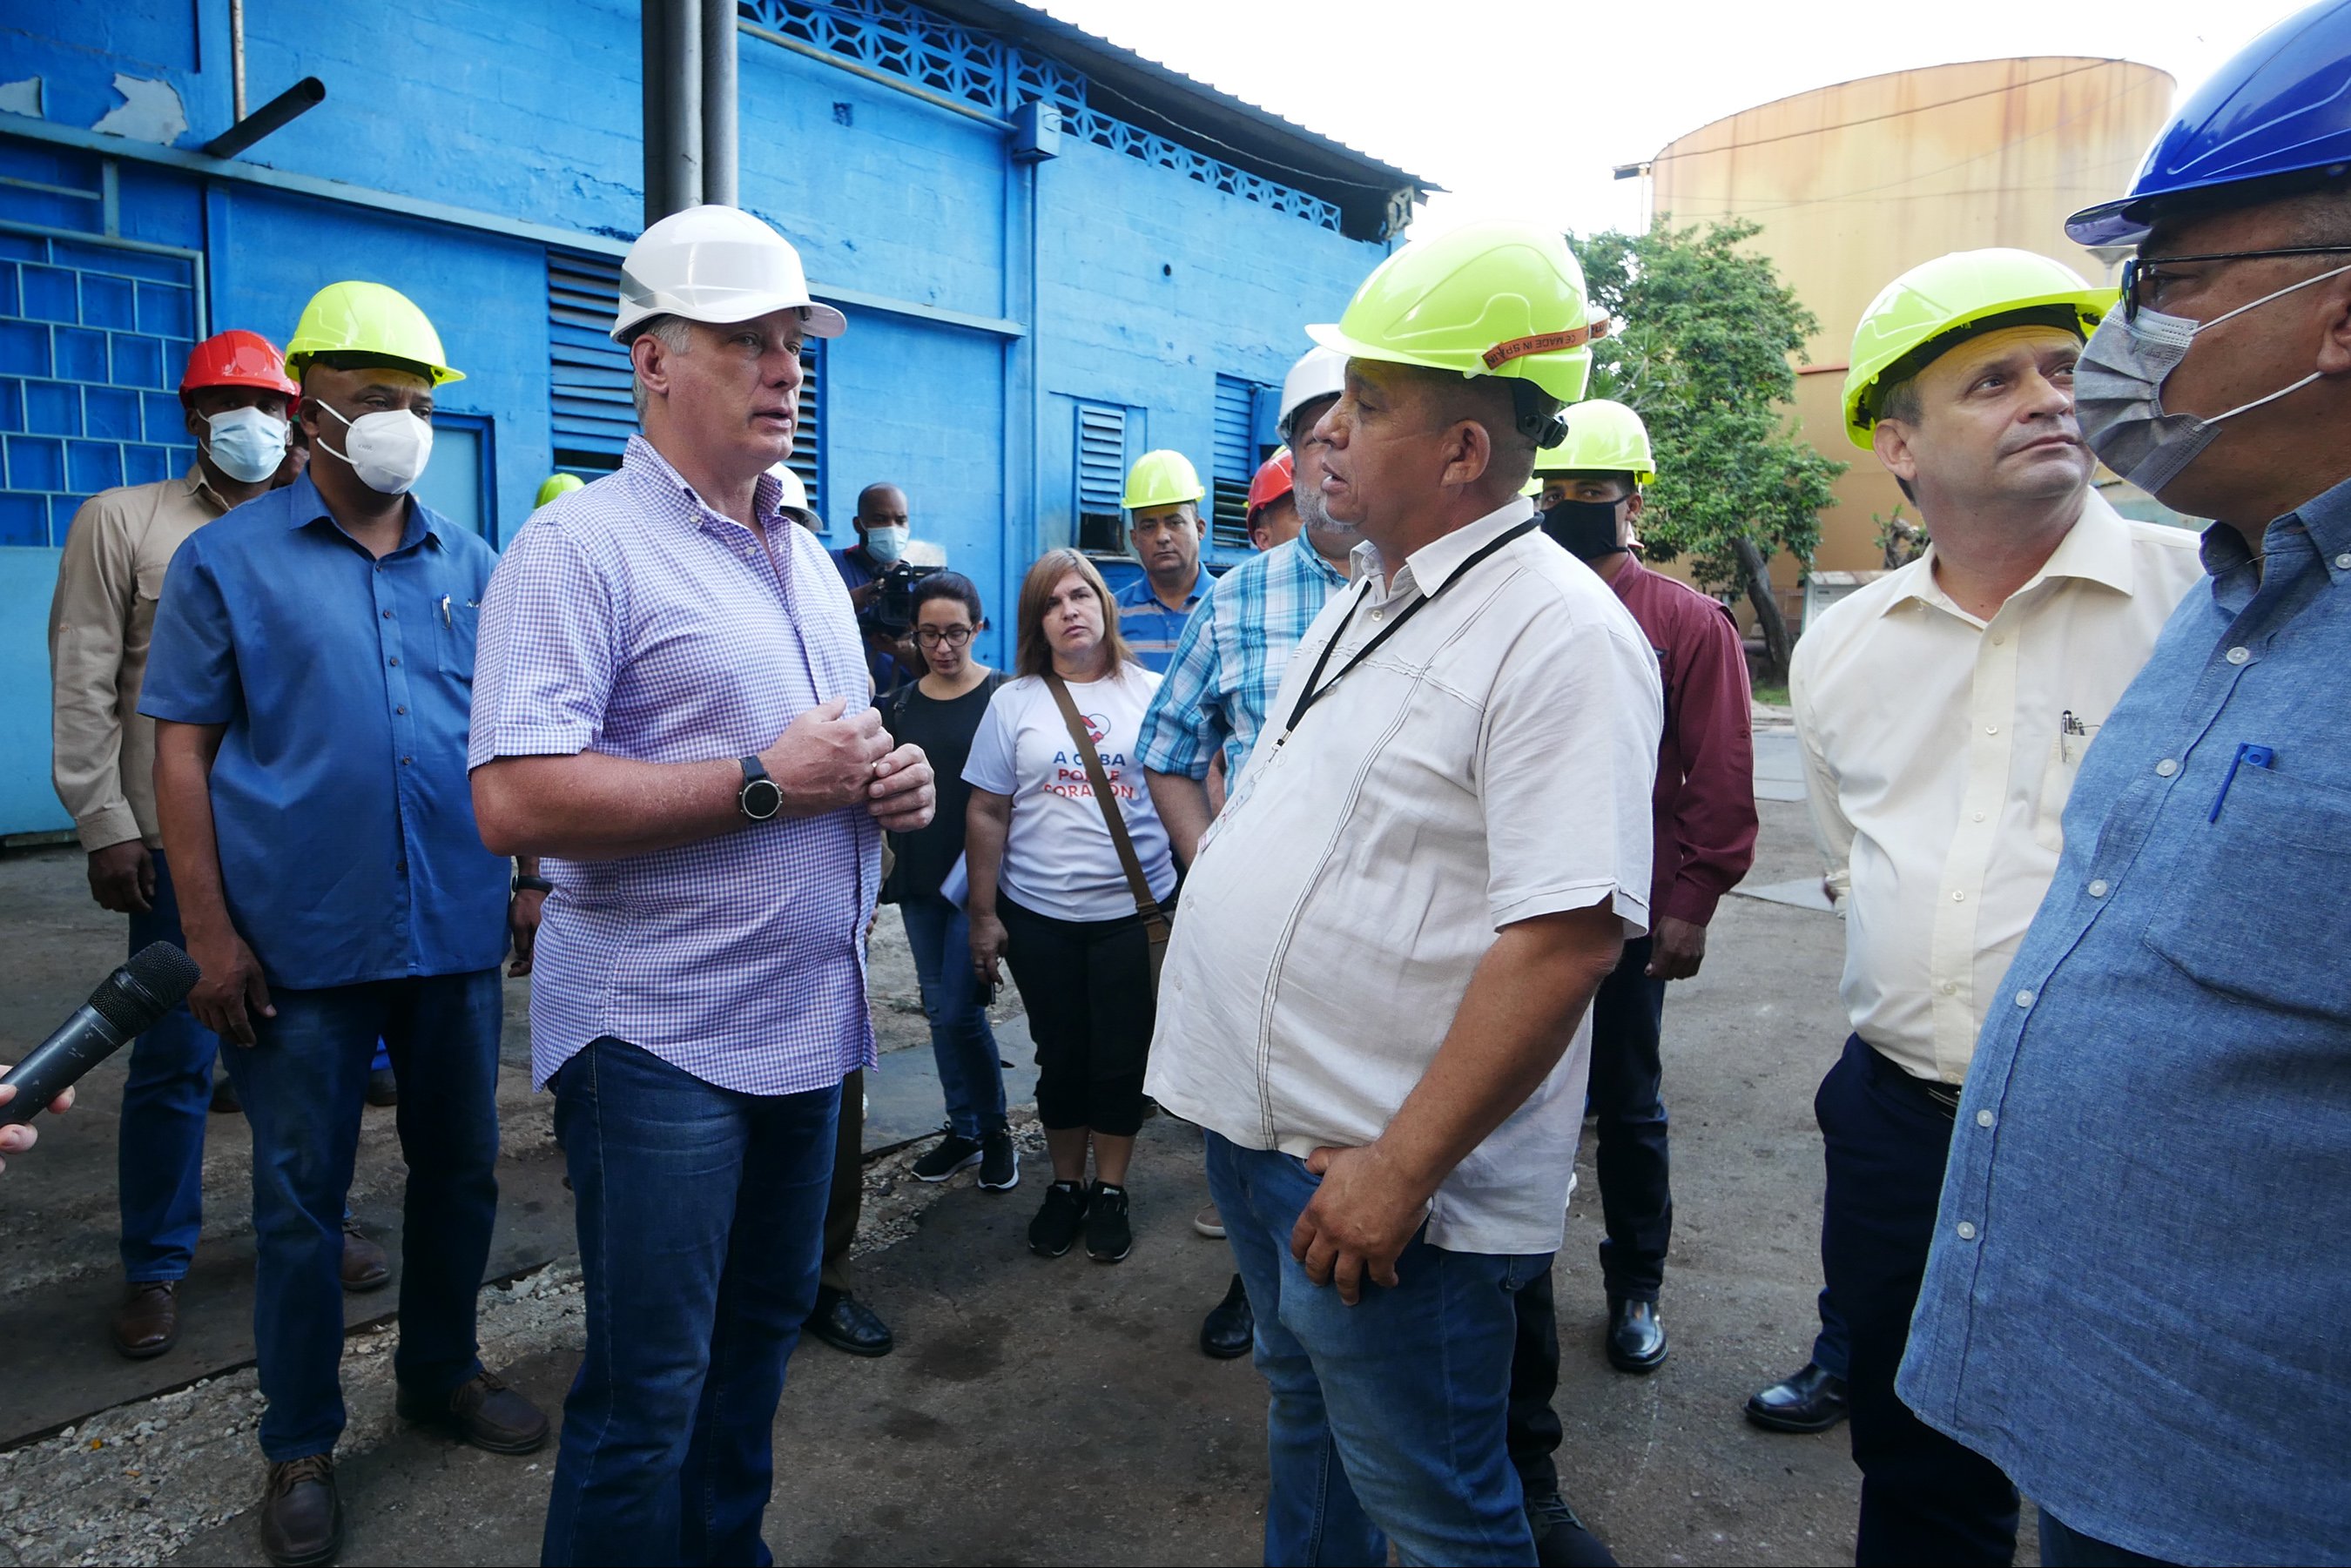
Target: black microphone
{"x": 128, "y": 1002}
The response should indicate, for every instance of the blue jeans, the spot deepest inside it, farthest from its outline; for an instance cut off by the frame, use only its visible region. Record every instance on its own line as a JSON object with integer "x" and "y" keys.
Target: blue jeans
{"x": 1387, "y": 1418}
{"x": 700, "y": 1216}
{"x": 160, "y": 1155}
{"x": 304, "y": 1084}
{"x": 970, "y": 1071}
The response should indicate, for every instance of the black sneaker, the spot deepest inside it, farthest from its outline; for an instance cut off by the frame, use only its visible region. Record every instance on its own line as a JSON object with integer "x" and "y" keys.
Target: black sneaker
{"x": 1109, "y": 1237}
{"x": 950, "y": 1154}
{"x": 999, "y": 1161}
{"x": 1055, "y": 1229}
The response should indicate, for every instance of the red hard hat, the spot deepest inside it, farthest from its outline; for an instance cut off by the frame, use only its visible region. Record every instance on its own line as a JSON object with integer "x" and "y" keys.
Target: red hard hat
{"x": 1272, "y": 482}
{"x": 237, "y": 359}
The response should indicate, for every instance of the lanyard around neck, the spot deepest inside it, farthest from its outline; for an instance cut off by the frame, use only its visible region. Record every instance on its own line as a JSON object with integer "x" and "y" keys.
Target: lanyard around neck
{"x": 1315, "y": 686}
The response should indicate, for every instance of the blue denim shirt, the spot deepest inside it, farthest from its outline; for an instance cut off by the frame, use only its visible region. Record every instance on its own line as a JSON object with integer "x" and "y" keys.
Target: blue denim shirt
{"x": 2138, "y": 1303}
{"x": 348, "y": 848}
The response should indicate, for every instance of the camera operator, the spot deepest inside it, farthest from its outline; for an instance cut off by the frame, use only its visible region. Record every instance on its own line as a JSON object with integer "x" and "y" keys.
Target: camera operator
{"x": 869, "y": 569}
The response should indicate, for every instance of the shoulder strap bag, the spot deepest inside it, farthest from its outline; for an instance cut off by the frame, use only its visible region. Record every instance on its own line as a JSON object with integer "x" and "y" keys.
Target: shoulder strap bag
{"x": 1156, "y": 926}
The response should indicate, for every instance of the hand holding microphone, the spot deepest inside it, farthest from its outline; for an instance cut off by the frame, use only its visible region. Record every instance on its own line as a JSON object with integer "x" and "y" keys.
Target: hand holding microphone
{"x": 127, "y": 1002}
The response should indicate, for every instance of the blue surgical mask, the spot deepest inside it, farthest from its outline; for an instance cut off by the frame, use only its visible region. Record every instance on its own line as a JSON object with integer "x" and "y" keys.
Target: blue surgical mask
{"x": 2118, "y": 391}
{"x": 887, "y": 545}
{"x": 246, "y": 444}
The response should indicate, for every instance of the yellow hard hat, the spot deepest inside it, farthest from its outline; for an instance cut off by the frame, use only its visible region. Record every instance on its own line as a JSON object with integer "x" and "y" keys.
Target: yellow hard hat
{"x": 558, "y": 484}
{"x": 1906, "y": 326}
{"x": 1604, "y": 436}
{"x": 1494, "y": 298}
{"x": 1161, "y": 478}
{"x": 367, "y": 319}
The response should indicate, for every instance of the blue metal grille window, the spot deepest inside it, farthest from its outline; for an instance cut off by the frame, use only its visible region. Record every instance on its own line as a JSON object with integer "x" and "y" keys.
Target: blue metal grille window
{"x": 1100, "y": 476}
{"x": 588, "y": 376}
{"x": 910, "y": 43}
{"x": 1235, "y": 462}
{"x": 92, "y": 340}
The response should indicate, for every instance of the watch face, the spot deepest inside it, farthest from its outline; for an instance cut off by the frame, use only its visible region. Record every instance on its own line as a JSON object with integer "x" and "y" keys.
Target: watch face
{"x": 761, "y": 800}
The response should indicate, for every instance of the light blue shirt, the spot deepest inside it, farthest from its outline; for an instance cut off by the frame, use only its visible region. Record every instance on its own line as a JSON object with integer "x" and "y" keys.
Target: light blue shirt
{"x": 1229, "y": 661}
{"x": 1150, "y": 628}
{"x": 2138, "y": 1303}
{"x": 345, "y": 821}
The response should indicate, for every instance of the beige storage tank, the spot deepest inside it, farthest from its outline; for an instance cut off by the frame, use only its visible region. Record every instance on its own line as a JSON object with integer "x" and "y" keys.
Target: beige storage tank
{"x": 1854, "y": 183}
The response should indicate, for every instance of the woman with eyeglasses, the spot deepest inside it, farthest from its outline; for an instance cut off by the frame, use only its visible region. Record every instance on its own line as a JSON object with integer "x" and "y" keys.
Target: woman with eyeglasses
{"x": 941, "y": 713}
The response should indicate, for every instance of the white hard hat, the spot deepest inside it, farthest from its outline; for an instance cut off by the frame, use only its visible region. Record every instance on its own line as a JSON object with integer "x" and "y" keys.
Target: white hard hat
{"x": 1319, "y": 372}
{"x": 795, "y": 495}
{"x": 718, "y": 265}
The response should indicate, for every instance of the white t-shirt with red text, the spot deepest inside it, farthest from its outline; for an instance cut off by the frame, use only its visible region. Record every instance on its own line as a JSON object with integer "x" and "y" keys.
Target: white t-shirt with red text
{"x": 1060, "y": 859}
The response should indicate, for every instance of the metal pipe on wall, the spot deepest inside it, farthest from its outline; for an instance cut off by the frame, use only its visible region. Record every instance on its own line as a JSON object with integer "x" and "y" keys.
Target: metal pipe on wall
{"x": 721, "y": 123}
{"x": 672, "y": 38}
{"x": 236, "y": 59}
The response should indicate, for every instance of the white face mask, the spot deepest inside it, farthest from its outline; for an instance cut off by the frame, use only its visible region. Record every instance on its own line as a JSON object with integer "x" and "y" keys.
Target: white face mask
{"x": 388, "y": 449}
{"x": 2118, "y": 391}
{"x": 887, "y": 545}
{"x": 246, "y": 444}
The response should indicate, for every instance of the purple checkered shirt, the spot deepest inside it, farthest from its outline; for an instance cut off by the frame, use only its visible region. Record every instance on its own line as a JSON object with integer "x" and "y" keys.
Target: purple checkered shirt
{"x": 629, "y": 619}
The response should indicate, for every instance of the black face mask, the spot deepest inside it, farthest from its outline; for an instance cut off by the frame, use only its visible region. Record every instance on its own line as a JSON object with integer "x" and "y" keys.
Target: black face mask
{"x": 1586, "y": 529}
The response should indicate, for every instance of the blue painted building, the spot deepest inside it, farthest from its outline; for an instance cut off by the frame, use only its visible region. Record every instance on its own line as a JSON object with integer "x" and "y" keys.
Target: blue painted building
{"x": 1054, "y": 256}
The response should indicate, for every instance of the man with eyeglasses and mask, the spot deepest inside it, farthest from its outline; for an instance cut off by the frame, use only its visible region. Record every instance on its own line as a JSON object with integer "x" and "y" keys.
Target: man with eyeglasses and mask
{"x": 311, "y": 677}
{"x": 2136, "y": 1301}
{"x": 1942, "y": 713}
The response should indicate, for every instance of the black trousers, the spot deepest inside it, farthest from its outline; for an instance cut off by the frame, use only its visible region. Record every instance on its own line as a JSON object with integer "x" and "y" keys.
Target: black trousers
{"x": 1924, "y": 1497}
{"x": 1087, "y": 987}
{"x": 846, "y": 1201}
{"x": 1636, "y": 1199}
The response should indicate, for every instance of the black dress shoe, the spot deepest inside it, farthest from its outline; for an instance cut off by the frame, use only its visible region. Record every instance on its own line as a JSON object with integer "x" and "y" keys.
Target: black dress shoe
{"x": 482, "y": 1411}
{"x": 1636, "y": 1340}
{"x": 301, "y": 1514}
{"x": 844, "y": 1323}
{"x": 1561, "y": 1540}
{"x": 1230, "y": 1328}
{"x": 1810, "y": 1401}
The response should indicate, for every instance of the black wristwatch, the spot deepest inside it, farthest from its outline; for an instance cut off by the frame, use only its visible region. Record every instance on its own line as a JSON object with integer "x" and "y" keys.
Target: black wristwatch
{"x": 527, "y": 883}
{"x": 760, "y": 798}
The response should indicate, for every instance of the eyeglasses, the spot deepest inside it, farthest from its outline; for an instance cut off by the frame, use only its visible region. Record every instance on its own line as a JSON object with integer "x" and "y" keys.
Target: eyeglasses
{"x": 2138, "y": 272}
{"x": 952, "y": 637}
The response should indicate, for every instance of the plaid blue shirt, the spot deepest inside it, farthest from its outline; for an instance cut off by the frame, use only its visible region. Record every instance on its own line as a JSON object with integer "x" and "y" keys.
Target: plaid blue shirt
{"x": 1230, "y": 659}
{"x": 631, "y": 618}
{"x": 1150, "y": 628}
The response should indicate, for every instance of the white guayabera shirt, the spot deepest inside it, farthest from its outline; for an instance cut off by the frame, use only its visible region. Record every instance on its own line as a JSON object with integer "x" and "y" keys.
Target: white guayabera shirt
{"x": 1488, "y": 764}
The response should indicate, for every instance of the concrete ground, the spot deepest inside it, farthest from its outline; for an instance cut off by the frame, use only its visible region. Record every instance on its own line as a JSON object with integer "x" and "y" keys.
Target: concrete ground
{"x": 1034, "y": 1411}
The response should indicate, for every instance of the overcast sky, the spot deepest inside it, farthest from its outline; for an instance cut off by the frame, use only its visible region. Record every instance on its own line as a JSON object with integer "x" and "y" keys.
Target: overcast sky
{"x": 1523, "y": 107}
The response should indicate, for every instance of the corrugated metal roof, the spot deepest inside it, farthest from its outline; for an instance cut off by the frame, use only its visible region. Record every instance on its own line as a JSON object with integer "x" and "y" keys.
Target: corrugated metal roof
{"x": 1187, "y": 110}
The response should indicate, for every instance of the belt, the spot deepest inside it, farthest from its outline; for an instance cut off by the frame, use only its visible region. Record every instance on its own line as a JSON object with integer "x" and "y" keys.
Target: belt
{"x": 1943, "y": 1097}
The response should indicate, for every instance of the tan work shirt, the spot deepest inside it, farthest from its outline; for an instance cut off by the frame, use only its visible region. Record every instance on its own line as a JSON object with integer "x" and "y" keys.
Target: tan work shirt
{"x": 102, "y": 747}
{"x": 1940, "y": 751}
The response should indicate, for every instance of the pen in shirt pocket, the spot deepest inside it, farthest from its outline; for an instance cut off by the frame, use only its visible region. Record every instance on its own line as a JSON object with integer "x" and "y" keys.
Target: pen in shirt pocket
{"x": 2248, "y": 755}
{"x": 445, "y": 612}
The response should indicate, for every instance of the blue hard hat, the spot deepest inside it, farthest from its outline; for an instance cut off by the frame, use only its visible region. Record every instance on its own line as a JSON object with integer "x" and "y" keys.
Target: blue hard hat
{"x": 2282, "y": 106}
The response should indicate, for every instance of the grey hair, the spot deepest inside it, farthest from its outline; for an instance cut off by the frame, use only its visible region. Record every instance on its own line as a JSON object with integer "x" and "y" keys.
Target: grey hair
{"x": 675, "y": 335}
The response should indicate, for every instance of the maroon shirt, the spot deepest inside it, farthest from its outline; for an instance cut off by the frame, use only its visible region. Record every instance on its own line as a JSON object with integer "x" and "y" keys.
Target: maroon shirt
{"x": 1704, "y": 805}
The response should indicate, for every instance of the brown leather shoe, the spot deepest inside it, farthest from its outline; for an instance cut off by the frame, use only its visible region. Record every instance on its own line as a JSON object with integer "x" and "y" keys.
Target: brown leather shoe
{"x": 482, "y": 1411}
{"x": 147, "y": 1323}
{"x": 301, "y": 1514}
{"x": 365, "y": 1266}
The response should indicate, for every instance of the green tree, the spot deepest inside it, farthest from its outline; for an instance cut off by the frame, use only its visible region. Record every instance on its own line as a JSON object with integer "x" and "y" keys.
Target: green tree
{"x": 1702, "y": 350}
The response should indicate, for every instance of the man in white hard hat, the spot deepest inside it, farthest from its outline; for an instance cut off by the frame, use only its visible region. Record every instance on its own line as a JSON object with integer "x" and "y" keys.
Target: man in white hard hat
{"x": 672, "y": 704}
{"x": 1221, "y": 684}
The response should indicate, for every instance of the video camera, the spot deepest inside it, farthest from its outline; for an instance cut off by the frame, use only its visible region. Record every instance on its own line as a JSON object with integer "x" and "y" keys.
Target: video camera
{"x": 893, "y": 611}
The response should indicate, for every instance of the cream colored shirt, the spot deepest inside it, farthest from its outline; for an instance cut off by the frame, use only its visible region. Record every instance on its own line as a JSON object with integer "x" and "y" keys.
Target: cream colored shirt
{"x": 102, "y": 756}
{"x": 1939, "y": 753}
{"x": 1488, "y": 764}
